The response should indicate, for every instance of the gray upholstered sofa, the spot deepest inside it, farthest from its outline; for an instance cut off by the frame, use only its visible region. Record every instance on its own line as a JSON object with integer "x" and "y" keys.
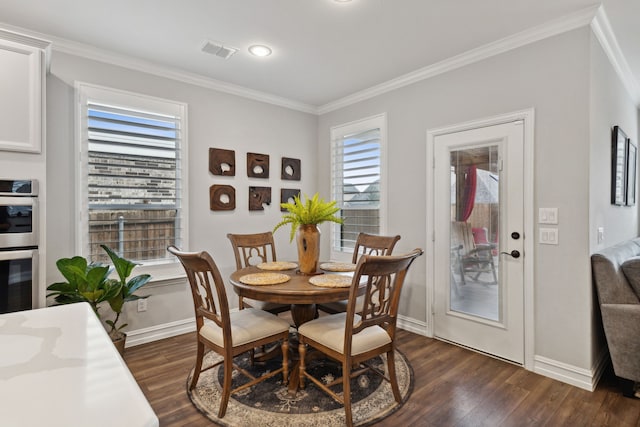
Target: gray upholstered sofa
{"x": 616, "y": 275}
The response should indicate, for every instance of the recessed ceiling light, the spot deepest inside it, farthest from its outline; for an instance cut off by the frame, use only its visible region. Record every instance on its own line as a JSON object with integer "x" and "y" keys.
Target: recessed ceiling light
{"x": 260, "y": 50}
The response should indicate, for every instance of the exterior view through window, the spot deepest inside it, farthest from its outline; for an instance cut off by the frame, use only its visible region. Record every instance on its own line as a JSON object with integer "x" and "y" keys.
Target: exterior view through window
{"x": 356, "y": 180}
{"x": 133, "y": 177}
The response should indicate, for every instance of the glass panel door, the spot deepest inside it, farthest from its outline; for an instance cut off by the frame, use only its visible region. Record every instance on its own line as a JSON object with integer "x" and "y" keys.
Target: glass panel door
{"x": 475, "y": 218}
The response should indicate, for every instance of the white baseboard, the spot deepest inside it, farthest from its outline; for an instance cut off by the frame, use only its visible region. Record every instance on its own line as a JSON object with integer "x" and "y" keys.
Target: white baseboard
{"x": 158, "y": 332}
{"x": 412, "y": 325}
{"x": 586, "y": 379}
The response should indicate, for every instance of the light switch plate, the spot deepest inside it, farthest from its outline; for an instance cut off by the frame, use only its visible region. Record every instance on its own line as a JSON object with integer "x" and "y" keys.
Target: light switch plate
{"x": 548, "y": 236}
{"x": 548, "y": 215}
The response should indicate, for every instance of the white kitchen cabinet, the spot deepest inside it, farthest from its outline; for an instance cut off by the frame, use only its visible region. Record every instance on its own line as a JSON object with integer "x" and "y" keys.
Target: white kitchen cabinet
{"x": 22, "y": 92}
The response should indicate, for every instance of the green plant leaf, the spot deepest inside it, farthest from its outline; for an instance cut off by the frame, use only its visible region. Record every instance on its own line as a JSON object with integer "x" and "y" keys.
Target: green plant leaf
{"x": 123, "y": 266}
{"x": 116, "y": 302}
{"x": 72, "y": 268}
{"x": 136, "y": 283}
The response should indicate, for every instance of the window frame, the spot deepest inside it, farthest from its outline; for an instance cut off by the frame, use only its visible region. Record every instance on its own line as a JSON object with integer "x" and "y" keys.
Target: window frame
{"x": 338, "y": 132}
{"x": 163, "y": 270}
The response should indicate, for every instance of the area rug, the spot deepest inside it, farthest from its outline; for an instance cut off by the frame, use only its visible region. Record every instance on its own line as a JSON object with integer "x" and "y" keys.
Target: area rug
{"x": 268, "y": 403}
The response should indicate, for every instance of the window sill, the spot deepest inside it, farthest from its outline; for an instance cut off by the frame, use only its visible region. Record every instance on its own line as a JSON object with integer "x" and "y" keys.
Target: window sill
{"x": 166, "y": 274}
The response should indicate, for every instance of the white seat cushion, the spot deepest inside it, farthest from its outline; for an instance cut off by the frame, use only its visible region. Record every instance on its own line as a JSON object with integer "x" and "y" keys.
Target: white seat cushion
{"x": 329, "y": 331}
{"x": 247, "y": 325}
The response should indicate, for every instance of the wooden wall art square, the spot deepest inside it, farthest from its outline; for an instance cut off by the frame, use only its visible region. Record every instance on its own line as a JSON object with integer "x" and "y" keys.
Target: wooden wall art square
{"x": 222, "y": 162}
{"x": 222, "y": 198}
{"x": 257, "y": 165}
{"x": 258, "y": 197}
{"x": 290, "y": 169}
{"x": 286, "y": 194}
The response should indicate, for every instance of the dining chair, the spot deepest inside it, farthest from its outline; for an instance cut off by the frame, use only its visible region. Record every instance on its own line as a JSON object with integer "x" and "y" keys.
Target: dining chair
{"x": 253, "y": 249}
{"x": 228, "y": 334}
{"x": 366, "y": 244}
{"x": 353, "y": 339}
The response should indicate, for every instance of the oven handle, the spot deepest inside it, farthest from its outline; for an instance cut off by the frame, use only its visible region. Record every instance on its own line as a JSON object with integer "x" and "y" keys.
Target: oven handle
{"x": 17, "y": 201}
{"x": 18, "y": 254}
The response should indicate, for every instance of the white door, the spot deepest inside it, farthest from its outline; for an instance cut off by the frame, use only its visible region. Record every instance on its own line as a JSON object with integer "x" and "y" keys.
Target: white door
{"x": 479, "y": 239}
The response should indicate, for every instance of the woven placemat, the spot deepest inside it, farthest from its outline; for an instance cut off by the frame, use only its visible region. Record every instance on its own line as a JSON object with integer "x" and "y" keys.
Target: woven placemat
{"x": 260, "y": 279}
{"x": 277, "y": 265}
{"x": 331, "y": 281}
{"x": 338, "y": 266}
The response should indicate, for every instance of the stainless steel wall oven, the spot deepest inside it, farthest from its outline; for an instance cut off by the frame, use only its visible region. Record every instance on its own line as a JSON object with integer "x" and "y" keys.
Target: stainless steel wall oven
{"x": 18, "y": 244}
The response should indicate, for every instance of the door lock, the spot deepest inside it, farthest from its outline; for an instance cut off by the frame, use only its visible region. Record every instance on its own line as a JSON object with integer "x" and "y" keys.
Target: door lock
{"x": 515, "y": 235}
{"x": 514, "y": 253}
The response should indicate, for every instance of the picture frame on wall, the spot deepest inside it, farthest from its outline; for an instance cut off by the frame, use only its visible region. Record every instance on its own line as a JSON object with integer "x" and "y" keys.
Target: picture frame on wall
{"x": 632, "y": 162}
{"x": 618, "y": 166}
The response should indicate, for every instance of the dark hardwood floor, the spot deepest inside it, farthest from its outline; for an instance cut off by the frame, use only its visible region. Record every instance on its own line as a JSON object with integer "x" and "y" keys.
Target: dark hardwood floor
{"x": 453, "y": 387}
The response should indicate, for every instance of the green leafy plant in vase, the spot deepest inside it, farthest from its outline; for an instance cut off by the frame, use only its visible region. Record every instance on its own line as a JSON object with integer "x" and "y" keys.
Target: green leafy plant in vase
{"x": 304, "y": 217}
{"x": 90, "y": 282}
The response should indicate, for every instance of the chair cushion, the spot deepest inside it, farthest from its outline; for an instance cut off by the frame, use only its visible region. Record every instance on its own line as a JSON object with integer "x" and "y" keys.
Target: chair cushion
{"x": 247, "y": 325}
{"x": 631, "y": 269}
{"x": 329, "y": 331}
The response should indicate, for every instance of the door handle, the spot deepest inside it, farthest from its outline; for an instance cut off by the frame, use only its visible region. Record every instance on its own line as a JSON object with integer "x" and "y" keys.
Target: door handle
{"x": 514, "y": 253}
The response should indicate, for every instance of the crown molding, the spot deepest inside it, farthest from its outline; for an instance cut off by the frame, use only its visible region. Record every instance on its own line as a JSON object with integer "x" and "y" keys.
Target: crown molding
{"x": 602, "y": 29}
{"x": 102, "y": 55}
{"x": 558, "y": 26}
{"x": 90, "y": 52}
{"x": 7, "y": 33}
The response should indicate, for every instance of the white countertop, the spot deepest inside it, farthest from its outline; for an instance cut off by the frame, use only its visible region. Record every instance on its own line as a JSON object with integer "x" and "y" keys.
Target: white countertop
{"x": 58, "y": 367}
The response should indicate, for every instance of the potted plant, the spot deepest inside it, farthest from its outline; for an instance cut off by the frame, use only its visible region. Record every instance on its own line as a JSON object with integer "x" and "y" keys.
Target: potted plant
{"x": 304, "y": 216}
{"x": 90, "y": 282}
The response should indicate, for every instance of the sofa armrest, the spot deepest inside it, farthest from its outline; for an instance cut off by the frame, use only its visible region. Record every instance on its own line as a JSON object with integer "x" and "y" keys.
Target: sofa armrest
{"x": 622, "y": 329}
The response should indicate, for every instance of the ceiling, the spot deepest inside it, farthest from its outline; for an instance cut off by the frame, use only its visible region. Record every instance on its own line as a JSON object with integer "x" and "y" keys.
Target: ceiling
{"x": 323, "y": 51}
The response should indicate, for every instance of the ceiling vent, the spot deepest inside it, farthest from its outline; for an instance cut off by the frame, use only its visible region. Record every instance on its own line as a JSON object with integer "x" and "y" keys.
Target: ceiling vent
{"x": 218, "y": 49}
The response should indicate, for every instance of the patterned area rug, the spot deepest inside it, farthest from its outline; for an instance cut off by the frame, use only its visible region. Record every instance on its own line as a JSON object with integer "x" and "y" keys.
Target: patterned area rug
{"x": 268, "y": 403}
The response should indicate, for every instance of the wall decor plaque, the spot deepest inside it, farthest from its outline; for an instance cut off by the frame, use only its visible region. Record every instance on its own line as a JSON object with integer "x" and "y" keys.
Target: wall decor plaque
{"x": 287, "y": 195}
{"x": 222, "y": 198}
{"x": 222, "y": 162}
{"x": 257, "y": 165}
{"x": 258, "y": 197}
{"x": 290, "y": 169}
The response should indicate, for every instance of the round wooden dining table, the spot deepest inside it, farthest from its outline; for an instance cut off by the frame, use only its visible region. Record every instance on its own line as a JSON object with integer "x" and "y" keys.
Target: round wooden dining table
{"x": 303, "y": 297}
{"x": 297, "y": 291}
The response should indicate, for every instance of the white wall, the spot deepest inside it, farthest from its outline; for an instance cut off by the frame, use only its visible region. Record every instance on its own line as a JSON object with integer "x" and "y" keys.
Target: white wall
{"x": 216, "y": 120}
{"x": 610, "y": 105}
{"x": 550, "y": 76}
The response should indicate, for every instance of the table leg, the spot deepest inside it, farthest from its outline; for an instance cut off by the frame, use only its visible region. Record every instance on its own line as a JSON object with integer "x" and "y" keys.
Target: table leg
{"x": 302, "y": 313}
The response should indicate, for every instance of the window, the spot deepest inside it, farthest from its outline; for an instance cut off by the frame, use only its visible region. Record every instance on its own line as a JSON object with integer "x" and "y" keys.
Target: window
{"x": 357, "y": 180}
{"x": 132, "y": 193}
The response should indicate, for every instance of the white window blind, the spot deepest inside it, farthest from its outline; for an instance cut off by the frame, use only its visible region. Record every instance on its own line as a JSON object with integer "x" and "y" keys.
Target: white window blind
{"x": 133, "y": 181}
{"x": 356, "y": 181}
